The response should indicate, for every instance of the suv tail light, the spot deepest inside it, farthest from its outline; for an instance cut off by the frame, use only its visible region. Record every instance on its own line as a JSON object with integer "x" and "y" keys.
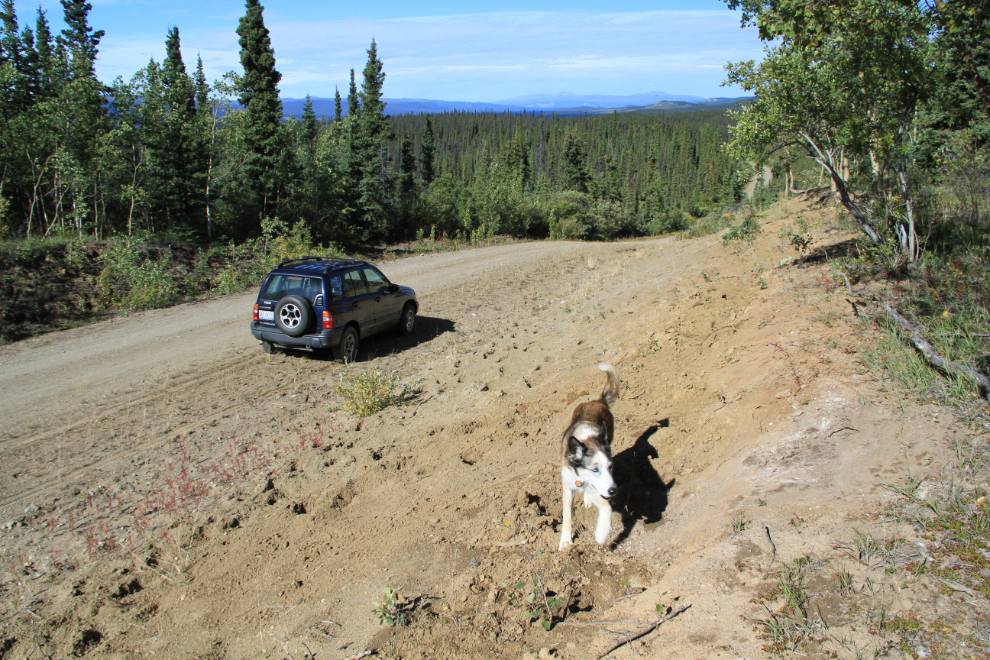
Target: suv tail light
{"x": 327, "y": 321}
{"x": 256, "y": 311}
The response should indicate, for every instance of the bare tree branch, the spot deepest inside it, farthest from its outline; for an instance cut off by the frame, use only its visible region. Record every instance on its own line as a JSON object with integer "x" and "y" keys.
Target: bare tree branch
{"x": 644, "y": 631}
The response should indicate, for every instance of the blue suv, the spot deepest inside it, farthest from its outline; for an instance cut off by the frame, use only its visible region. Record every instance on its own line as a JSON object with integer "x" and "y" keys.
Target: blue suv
{"x": 315, "y": 303}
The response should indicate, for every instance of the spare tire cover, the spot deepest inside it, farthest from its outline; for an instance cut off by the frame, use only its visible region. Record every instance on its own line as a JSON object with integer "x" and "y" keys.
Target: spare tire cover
{"x": 293, "y": 315}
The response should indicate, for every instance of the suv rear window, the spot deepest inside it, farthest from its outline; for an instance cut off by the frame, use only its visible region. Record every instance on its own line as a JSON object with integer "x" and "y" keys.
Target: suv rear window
{"x": 279, "y": 286}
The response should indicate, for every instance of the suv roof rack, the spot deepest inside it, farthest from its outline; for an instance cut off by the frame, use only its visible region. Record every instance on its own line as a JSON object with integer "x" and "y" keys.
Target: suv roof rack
{"x": 329, "y": 260}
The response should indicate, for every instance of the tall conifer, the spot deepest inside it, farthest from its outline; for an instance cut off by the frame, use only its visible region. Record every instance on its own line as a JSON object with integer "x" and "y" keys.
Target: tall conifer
{"x": 426, "y": 154}
{"x": 375, "y": 189}
{"x": 177, "y": 82}
{"x": 259, "y": 96}
{"x": 336, "y": 105}
{"x": 31, "y": 66}
{"x": 352, "y": 98}
{"x": 575, "y": 168}
{"x": 178, "y": 160}
{"x": 44, "y": 45}
{"x": 79, "y": 39}
{"x": 407, "y": 168}
{"x": 10, "y": 40}
{"x": 202, "y": 87}
{"x": 310, "y": 124}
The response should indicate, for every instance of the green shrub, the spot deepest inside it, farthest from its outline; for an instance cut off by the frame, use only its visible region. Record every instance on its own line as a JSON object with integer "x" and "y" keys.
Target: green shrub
{"x": 368, "y": 393}
{"x": 152, "y": 286}
{"x": 391, "y": 610}
{"x": 747, "y": 230}
{"x": 709, "y": 225}
{"x": 133, "y": 279}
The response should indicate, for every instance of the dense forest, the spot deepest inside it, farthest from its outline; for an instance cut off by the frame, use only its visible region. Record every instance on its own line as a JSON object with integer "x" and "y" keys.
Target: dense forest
{"x": 167, "y": 153}
{"x": 594, "y": 176}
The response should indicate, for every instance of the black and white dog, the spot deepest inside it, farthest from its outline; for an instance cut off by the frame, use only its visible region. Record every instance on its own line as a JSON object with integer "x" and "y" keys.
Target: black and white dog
{"x": 586, "y": 465}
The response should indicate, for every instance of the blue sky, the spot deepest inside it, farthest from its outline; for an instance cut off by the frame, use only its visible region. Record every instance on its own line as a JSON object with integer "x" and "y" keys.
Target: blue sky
{"x": 459, "y": 51}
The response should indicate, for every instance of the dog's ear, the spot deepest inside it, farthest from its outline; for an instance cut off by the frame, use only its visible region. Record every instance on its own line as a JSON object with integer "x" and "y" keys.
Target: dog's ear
{"x": 603, "y": 434}
{"x": 575, "y": 451}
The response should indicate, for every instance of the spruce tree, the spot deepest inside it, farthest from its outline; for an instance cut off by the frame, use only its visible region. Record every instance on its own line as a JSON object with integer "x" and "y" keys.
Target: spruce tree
{"x": 81, "y": 95}
{"x": 202, "y": 87}
{"x": 374, "y": 123}
{"x": 10, "y": 40}
{"x": 79, "y": 39}
{"x": 259, "y": 96}
{"x": 44, "y": 45}
{"x": 426, "y": 153}
{"x": 30, "y": 67}
{"x": 352, "y": 98}
{"x": 374, "y": 189}
{"x": 16, "y": 98}
{"x": 182, "y": 93}
{"x": 336, "y": 105}
{"x": 575, "y": 168}
{"x": 407, "y": 169}
{"x": 310, "y": 124}
{"x": 178, "y": 162}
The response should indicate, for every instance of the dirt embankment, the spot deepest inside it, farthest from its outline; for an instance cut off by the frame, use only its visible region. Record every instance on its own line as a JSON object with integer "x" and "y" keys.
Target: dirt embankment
{"x": 172, "y": 491}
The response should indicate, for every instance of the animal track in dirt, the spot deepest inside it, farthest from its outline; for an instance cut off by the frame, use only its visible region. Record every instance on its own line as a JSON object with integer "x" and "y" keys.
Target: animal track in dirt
{"x": 216, "y": 500}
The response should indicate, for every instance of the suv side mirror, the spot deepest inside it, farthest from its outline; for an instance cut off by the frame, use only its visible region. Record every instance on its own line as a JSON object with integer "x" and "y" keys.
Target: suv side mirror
{"x": 393, "y": 288}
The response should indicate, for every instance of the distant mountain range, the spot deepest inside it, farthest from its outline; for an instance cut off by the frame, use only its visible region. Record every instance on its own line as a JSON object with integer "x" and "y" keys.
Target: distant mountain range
{"x": 570, "y": 101}
{"x": 560, "y": 104}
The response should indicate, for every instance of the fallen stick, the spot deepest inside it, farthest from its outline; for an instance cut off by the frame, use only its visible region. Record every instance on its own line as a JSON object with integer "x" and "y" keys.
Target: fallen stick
{"x": 601, "y": 623}
{"x": 645, "y": 631}
{"x": 625, "y": 597}
{"x": 773, "y": 548}
{"x": 957, "y": 586}
{"x": 284, "y": 647}
{"x": 934, "y": 358}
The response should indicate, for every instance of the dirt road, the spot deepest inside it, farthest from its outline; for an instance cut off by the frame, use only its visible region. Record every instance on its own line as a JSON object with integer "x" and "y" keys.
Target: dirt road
{"x": 55, "y": 384}
{"x": 170, "y": 490}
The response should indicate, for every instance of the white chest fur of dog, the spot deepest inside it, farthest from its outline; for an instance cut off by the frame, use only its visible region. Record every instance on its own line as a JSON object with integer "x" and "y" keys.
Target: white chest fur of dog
{"x": 586, "y": 462}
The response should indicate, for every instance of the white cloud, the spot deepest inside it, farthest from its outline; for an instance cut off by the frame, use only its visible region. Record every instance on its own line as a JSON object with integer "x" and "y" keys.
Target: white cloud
{"x": 477, "y": 57}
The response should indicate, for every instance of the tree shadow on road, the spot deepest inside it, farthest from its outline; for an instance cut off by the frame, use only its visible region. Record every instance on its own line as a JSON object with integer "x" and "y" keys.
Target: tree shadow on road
{"x": 642, "y": 492}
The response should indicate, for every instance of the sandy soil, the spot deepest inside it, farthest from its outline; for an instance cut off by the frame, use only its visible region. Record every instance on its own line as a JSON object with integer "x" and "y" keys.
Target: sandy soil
{"x": 167, "y": 489}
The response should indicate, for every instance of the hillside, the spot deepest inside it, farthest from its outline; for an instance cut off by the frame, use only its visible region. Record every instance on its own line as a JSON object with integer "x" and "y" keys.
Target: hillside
{"x": 171, "y": 490}
{"x": 559, "y": 104}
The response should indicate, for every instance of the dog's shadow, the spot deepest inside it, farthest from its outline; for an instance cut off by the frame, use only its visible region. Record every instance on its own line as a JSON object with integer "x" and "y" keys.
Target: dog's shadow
{"x": 642, "y": 492}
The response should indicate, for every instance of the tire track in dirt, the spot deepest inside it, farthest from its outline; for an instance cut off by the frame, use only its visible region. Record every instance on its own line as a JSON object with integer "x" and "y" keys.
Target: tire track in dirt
{"x": 105, "y": 364}
{"x": 155, "y": 441}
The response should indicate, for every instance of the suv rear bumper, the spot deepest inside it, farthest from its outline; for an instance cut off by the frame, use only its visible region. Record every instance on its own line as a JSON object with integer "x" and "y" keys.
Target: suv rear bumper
{"x": 324, "y": 339}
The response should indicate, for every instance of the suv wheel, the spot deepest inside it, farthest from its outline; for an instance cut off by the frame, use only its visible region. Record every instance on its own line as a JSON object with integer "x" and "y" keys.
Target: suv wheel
{"x": 293, "y": 315}
{"x": 407, "y": 323}
{"x": 347, "y": 350}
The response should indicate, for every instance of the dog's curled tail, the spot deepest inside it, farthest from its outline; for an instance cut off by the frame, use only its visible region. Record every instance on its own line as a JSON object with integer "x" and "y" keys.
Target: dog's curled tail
{"x": 611, "y": 392}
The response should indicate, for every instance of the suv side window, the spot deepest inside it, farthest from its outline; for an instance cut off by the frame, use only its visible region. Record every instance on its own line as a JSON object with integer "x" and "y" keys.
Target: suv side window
{"x": 336, "y": 288}
{"x": 353, "y": 284}
{"x": 280, "y": 286}
{"x": 376, "y": 281}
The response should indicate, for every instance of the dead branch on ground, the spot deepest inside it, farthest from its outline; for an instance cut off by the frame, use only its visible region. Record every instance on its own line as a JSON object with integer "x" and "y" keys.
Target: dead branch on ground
{"x": 773, "y": 548}
{"x": 645, "y": 631}
{"x": 933, "y": 358}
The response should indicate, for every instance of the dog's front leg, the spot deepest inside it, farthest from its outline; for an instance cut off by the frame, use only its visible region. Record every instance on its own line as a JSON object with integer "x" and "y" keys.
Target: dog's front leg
{"x": 604, "y": 526}
{"x": 566, "y": 533}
